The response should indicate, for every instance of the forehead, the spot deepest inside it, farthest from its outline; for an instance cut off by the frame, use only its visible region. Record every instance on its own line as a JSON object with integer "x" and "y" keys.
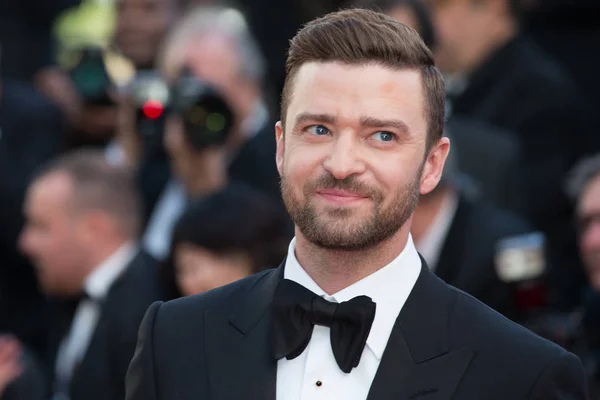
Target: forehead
{"x": 211, "y": 56}
{"x": 354, "y": 91}
{"x": 590, "y": 197}
{"x": 51, "y": 191}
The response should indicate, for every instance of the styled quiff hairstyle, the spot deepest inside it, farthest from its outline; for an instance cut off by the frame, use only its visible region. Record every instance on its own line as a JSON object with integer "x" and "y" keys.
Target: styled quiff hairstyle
{"x": 360, "y": 36}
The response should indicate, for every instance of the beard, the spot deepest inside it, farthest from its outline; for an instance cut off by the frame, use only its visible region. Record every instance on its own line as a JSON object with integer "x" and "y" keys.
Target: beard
{"x": 344, "y": 228}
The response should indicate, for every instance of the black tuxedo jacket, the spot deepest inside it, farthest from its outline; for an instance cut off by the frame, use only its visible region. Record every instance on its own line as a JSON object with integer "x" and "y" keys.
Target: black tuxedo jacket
{"x": 467, "y": 259}
{"x": 445, "y": 345}
{"x": 101, "y": 373}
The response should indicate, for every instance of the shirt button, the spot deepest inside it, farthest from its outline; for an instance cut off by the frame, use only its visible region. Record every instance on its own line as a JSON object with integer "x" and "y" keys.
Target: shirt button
{"x": 319, "y": 383}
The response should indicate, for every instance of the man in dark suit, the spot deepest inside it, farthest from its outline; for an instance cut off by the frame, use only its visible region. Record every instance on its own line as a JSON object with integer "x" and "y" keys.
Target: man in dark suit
{"x": 82, "y": 221}
{"x": 353, "y": 313}
{"x": 497, "y": 74}
{"x": 226, "y": 57}
{"x": 459, "y": 236}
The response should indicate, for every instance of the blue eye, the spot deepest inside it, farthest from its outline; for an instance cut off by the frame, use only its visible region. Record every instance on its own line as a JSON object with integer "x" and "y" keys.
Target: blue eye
{"x": 318, "y": 130}
{"x": 384, "y": 136}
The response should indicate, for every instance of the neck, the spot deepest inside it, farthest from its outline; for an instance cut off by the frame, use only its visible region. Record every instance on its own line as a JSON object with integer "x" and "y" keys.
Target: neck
{"x": 208, "y": 175}
{"x": 246, "y": 111}
{"x": 102, "y": 252}
{"x": 335, "y": 270}
{"x": 428, "y": 209}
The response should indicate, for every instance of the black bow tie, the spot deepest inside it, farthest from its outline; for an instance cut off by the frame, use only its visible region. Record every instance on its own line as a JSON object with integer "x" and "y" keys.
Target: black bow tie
{"x": 296, "y": 310}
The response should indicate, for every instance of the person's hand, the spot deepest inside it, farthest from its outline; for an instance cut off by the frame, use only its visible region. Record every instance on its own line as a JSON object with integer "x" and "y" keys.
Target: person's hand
{"x": 96, "y": 122}
{"x": 10, "y": 361}
{"x": 126, "y": 136}
{"x": 57, "y": 86}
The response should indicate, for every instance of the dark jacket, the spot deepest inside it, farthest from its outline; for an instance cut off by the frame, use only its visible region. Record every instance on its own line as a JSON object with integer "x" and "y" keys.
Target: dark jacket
{"x": 445, "y": 345}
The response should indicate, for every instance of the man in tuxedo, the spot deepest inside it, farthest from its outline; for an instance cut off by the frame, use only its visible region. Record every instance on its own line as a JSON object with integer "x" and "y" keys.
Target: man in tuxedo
{"x": 353, "y": 312}
{"x": 82, "y": 222}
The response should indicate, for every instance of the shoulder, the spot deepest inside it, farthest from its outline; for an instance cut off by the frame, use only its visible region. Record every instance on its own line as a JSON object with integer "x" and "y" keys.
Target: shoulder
{"x": 510, "y": 356}
{"x": 184, "y": 312}
{"x": 497, "y": 222}
{"x": 131, "y": 295}
{"x": 541, "y": 69}
{"x": 495, "y": 338}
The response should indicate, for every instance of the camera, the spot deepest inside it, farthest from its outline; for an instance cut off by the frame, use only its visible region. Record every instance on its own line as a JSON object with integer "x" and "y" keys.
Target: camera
{"x": 91, "y": 78}
{"x": 206, "y": 116}
{"x": 150, "y": 96}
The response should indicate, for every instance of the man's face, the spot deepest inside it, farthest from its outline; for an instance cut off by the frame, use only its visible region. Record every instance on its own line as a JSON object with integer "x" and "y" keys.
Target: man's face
{"x": 213, "y": 58}
{"x": 141, "y": 28}
{"x": 461, "y": 27}
{"x": 51, "y": 235}
{"x": 353, "y": 159}
{"x": 588, "y": 214}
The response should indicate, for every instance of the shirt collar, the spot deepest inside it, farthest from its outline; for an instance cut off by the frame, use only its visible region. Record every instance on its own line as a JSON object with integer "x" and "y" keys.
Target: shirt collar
{"x": 98, "y": 283}
{"x": 388, "y": 287}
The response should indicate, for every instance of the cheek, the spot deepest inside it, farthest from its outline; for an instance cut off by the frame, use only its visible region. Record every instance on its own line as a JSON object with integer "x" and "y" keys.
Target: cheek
{"x": 590, "y": 239}
{"x": 300, "y": 163}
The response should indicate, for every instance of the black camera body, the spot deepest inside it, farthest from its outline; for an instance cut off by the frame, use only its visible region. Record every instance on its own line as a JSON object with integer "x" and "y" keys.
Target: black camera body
{"x": 90, "y": 77}
{"x": 207, "y": 118}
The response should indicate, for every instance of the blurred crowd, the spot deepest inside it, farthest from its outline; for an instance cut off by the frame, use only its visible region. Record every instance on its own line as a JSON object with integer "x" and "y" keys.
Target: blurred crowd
{"x": 137, "y": 163}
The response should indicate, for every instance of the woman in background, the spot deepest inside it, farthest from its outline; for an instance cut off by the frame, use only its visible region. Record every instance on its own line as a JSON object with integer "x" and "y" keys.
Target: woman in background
{"x": 224, "y": 237}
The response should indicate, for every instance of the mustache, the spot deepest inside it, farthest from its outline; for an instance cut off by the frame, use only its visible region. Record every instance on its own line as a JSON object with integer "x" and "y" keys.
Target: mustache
{"x": 350, "y": 183}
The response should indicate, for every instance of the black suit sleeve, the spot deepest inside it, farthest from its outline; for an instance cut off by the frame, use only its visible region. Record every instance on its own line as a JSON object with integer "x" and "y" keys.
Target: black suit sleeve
{"x": 140, "y": 382}
{"x": 562, "y": 379}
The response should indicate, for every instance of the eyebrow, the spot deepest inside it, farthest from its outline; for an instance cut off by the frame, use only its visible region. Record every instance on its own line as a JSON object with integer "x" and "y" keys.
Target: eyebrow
{"x": 369, "y": 122}
{"x": 306, "y": 117}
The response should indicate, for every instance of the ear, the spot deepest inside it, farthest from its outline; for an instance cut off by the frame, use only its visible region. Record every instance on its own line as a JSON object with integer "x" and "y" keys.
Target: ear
{"x": 279, "y": 137}
{"x": 434, "y": 165}
{"x": 93, "y": 223}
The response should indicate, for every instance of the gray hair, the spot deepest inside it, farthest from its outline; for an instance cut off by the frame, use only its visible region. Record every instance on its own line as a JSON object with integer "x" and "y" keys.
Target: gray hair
{"x": 100, "y": 185}
{"x": 581, "y": 176}
{"x": 221, "y": 20}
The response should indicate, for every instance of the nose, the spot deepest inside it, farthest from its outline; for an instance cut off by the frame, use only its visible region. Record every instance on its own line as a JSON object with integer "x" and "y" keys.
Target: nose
{"x": 344, "y": 158}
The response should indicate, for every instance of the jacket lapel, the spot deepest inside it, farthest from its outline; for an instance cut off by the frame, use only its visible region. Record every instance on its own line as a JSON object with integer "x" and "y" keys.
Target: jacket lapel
{"x": 238, "y": 349}
{"x": 418, "y": 363}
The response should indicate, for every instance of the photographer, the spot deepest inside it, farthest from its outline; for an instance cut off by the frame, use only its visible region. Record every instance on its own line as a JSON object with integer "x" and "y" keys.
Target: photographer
{"x": 86, "y": 91}
{"x": 196, "y": 129}
{"x": 215, "y": 46}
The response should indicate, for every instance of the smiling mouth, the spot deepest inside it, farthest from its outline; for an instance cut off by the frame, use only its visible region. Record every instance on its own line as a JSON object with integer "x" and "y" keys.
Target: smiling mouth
{"x": 338, "y": 196}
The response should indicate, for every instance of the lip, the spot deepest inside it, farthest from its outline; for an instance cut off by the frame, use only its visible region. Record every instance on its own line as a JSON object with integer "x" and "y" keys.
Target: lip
{"x": 340, "y": 196}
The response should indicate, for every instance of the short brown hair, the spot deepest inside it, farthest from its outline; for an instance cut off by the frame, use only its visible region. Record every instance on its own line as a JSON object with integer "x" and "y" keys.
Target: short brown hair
{"x": 99, "y": 185}
{"x": 360, "y": 36}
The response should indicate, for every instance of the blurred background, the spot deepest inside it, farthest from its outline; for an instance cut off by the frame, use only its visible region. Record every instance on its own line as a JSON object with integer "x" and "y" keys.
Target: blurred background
{"x": 137, "y": 163}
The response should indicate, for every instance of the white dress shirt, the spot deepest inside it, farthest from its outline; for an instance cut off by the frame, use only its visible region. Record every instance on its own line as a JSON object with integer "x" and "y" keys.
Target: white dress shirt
{"x": 96, "y": 286}
{"x": 431, "y": 244}
{"x": 315, "y": 375}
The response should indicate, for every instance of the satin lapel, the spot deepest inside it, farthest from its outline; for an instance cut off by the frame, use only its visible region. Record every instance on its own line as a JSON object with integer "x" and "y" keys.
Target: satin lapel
{"x": 417, "y": 362}
{"x": 239, "y": 357}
